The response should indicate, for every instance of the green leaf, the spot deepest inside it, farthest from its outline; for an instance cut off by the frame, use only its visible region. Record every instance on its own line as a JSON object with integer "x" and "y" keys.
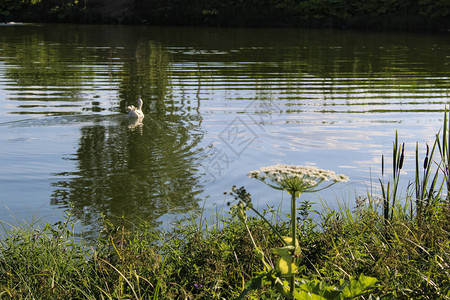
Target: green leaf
{"x": 253, "y": 284}
{"x": 356, "y": 288}
{"x": 316, "y": 289}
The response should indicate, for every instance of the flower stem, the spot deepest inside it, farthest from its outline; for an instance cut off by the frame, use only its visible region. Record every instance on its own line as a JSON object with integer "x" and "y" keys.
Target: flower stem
{"x": 294, "y": 236}
{"x": 294, "y": 218}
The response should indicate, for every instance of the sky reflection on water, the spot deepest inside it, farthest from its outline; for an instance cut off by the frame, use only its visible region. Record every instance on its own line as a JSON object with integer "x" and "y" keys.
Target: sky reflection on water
{"x": 218, "y": 103}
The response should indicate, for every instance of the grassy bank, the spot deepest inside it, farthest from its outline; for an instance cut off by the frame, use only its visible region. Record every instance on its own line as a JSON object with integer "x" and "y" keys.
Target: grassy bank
{"x": 410, "y": 15}
{"x": 382, "y": 247}
{"x": 408, "y": 259}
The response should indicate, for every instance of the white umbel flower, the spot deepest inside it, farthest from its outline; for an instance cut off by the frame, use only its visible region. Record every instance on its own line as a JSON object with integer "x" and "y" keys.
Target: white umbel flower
{"x": 296, "y": 179}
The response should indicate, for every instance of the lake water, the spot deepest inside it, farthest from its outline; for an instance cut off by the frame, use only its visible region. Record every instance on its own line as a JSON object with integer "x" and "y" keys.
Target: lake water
{"x": 218, "y": 103}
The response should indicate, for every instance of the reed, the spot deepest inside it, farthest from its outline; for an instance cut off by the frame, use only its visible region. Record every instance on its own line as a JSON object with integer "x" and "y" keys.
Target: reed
{"x": 389, "y": 195}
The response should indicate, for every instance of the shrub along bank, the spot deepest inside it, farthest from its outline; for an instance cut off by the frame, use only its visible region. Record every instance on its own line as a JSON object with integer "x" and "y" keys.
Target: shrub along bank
{"x": 414, "y": 15}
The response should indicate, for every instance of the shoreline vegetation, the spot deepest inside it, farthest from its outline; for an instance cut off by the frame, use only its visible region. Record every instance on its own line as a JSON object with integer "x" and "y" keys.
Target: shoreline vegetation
{"x": 383, "y": 247}
{"x": 392, "y": 15}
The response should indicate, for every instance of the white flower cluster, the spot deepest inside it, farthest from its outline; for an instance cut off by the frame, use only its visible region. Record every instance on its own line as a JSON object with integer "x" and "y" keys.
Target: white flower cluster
{"x": 296, "y": 178}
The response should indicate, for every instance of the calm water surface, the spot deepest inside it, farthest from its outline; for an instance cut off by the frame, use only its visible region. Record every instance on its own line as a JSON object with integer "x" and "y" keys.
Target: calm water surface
{"x": 218, "y": 103}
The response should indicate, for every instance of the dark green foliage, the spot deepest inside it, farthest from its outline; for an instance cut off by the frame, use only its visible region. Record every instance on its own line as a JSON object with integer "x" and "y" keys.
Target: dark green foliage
{"x": 45, "y": 11}
{"x": 9, "y": 8}
{"x": 417, "y": 15}
{"x": 387, "y": 14}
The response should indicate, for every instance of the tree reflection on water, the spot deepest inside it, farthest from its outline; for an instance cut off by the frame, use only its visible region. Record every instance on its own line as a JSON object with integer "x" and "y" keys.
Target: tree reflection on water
{"x": 138, "y": 171}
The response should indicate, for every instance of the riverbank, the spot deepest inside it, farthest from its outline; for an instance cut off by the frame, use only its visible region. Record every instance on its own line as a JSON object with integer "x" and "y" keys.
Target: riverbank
{"x": 373, "y": 15}
{"x": 194, "y": 260}
{"x": 378, "y": 247}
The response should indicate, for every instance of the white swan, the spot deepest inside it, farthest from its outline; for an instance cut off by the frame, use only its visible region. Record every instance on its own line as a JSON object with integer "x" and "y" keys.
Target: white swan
{"x": 136, "y": 112}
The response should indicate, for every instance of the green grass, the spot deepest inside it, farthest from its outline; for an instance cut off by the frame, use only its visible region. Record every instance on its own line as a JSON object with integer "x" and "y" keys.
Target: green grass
{"x": 185, "y": 262}
{"x": 410, "y": 260}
